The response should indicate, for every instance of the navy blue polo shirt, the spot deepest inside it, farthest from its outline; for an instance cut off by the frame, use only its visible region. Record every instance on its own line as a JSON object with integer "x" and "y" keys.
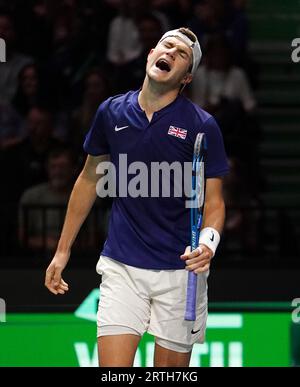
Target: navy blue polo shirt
{"x": 152, "y": 232}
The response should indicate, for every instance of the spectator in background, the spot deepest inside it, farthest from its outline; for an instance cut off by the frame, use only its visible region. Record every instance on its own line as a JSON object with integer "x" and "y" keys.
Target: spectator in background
{"x": 70, "y": 55}
{"x": 224, "y": 91}
{"x": 219, "y": 79}
{"x": 60, "y": 67}
{"x": 40, "y": 227}
{"x": 11, "y": 127}
{"x": 30, "y": 91}
{"x": 34, "y": 91}
{"x": 227, "y": 18}
{"x": 208, "y": 19}
{"x": 243, "y": 215}
{"x": 237, "y": 31}
{"x": 22, "y": 166}
{"x": 150, "y": 31}
{"x": 26, "y": 159}
{"x": 124, "y": 44}
{"x": 15, "y": 61}
{"x": 95, "y": 92}
{"x": 96, "y": 16}
{"x": 124, "y": 41}
{"x": 42, "y": 209}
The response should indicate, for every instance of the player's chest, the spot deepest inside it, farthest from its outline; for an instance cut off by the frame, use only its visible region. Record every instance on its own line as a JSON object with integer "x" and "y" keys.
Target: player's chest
{"x": 165, "y": 138}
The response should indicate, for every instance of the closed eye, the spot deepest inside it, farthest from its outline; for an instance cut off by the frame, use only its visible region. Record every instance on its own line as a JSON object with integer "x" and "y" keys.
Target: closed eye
{"x": 183, "y": 54}
{"x": 168, "y": 45}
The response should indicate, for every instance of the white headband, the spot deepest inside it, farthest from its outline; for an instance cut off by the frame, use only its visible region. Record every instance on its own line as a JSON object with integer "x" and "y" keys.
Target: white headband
{"x": 195, "y": 46}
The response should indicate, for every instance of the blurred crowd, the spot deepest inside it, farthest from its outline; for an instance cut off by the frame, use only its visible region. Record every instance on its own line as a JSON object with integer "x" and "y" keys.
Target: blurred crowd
{"x": 64, "y": 57}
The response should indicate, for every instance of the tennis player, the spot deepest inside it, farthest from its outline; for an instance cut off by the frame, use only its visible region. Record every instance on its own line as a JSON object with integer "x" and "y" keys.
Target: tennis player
{"x": 146, "y": 257}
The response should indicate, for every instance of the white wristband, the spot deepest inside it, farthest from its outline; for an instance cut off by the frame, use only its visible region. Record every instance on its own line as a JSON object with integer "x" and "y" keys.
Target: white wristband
{"x": 210, "y": 237}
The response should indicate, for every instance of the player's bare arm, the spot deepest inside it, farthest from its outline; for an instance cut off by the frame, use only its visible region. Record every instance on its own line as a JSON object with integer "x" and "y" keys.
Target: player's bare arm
{"x": 214, "y": 216}
{"x": 81, "y": 201}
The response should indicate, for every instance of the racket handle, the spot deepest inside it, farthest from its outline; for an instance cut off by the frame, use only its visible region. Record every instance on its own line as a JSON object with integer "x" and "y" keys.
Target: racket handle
{"x": 190, "y": 310}
{"x": 191, "y": 293}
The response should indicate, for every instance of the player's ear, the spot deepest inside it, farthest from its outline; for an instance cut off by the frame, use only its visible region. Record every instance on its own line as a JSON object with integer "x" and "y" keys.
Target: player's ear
{"x": 150, "y": 52}
{"x": 187, "y": 79}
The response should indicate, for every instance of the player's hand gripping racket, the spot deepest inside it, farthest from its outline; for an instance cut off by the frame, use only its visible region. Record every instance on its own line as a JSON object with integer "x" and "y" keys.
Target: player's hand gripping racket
{"x": 198, "y": 193}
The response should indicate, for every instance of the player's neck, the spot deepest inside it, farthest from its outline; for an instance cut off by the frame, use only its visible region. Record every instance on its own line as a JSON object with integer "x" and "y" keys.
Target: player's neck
{"x": 153, "y": 97}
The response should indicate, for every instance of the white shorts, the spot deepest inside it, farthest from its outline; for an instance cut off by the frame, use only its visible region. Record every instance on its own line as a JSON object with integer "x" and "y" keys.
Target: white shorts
{"x": 134, "y": 300}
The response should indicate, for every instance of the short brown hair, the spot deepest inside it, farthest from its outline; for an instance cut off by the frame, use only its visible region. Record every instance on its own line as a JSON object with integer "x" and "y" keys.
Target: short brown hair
{"x": 187, "y": 32}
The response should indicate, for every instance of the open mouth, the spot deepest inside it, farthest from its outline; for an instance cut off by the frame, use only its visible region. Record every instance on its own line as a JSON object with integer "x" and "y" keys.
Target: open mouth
{"x": 163, "y": 65}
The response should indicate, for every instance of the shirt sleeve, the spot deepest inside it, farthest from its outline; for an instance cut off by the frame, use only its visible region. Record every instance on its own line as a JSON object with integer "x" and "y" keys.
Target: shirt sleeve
{"x": 216, "y": 163}
{"x": 96, "y": 142}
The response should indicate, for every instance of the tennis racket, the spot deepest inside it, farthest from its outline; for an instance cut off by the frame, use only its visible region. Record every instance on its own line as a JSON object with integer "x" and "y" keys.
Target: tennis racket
{"x": 198, "y": 193}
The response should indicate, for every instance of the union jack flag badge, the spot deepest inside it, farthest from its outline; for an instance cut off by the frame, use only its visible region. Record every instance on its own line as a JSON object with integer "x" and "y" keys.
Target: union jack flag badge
{"x": 177, "y": 132}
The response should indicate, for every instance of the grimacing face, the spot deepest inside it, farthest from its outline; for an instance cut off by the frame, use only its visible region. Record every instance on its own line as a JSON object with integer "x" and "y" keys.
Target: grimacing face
{"x": 169, "y": 62}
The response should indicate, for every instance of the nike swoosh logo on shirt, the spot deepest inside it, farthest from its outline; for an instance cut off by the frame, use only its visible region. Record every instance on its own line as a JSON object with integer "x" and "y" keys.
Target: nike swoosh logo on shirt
{"x": 121, "y": 128}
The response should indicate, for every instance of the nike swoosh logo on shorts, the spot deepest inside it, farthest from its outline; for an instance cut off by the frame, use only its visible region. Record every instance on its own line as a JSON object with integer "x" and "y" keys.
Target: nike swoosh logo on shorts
{"x": 193, "y": 332}
{"x": 121, "y": 128}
